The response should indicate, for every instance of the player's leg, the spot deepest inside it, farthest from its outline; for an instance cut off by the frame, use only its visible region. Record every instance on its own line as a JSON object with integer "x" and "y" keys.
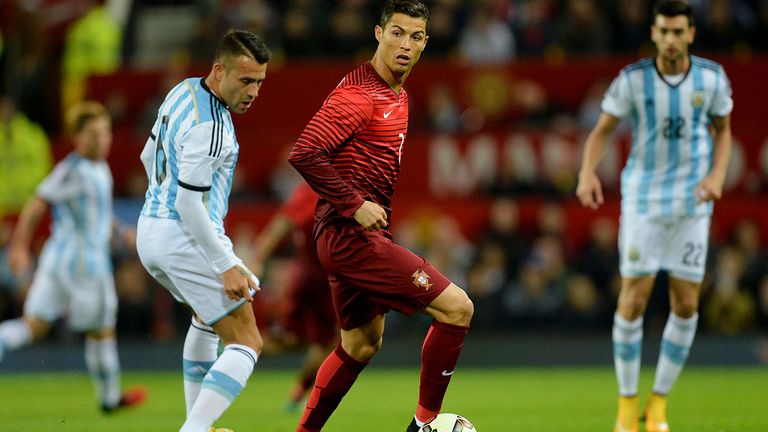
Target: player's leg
{"x": 103, "y": 364}
{"x": 452, "y": 311}
{"x": 339, "y": 371}
{"x": 45, "y": 303}
{"x": 20, "y": 332}
{"x": 685, "y": 259}
{"x": 93, "y": 309}
{"x": 676, "y": 342}
{"x": 228, "y": 375}
{"x": 200, "y": 352}
{"x": 641, "y": 242}
{"x": 627, "y": 336}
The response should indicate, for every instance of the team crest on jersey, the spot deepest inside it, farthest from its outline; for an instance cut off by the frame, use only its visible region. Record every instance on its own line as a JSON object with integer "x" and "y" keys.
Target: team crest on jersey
{"x": 634, "y": 254}
{"x": 421, "y": 279}
{"x": 697, "y": 98}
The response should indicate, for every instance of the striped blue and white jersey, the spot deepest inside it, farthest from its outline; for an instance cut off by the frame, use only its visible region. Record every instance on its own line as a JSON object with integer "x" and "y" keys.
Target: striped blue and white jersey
{"x": 672, "y": 147}
{"x": 79, "y": 191}
{"x": 193, "y": 144}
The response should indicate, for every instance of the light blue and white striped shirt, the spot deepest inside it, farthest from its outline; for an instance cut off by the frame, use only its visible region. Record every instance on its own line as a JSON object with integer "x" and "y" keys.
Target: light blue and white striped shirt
{"x": 80, "y": 193}
{"x": 192, "y": 143}
{"x": 672, "y": 147}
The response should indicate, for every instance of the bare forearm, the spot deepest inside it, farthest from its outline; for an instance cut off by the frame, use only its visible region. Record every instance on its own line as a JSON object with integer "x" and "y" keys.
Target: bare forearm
{"x": 29, "y": 218}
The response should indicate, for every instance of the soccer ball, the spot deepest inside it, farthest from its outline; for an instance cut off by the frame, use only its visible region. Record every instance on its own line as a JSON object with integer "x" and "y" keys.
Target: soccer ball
{"x": 446, "y": 422}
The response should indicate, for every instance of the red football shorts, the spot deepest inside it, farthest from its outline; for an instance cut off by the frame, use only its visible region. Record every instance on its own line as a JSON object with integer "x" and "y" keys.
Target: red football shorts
{"x": 370, "y": 275}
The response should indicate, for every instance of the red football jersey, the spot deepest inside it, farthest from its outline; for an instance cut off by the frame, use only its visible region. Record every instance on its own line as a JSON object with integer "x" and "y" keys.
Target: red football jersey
{"x": 299, "y": 209}
{"x": 350, "y": 151}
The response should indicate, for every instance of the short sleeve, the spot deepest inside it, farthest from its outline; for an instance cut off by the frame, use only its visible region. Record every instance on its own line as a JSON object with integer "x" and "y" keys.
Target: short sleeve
{"x": 201, "y": 147}
{"x": 722, "y": 105}
{"x": 617, "y": 100}
{"x": 63, "y": 183}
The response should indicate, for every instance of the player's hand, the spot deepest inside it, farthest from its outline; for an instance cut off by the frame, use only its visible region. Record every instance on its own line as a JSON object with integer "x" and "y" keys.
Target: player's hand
{"x": 590, "y": 191}
{"x": 237, "y": 282}
{"x": 709, "y": 189}
{"x": 371, "y": 216}
{"x": 19, "y": 260}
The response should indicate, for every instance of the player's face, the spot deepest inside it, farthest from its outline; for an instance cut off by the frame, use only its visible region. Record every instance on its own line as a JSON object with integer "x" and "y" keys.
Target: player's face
{"x": 672, "y": 36}
{"x": 401, "y": 42}
{"x": 239, "y": 82}
{"x": 95, "y": 138}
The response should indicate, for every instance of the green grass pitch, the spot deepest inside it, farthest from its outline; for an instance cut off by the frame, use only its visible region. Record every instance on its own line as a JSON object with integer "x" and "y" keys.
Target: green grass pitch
{"x": 382, "y": 400}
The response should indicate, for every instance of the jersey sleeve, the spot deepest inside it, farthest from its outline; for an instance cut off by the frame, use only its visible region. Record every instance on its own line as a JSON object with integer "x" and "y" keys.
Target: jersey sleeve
{"x": 722, "y": 105}
{"x": 200, "y": 149}
{"x": 617, "y": 100}
{"x": 345, "y": 113}
{"x": 61, "y": 184}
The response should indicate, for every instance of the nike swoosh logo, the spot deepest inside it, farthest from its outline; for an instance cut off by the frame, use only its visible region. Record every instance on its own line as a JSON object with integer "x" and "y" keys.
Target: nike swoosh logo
{"x": 446, "y": 373}
{"x": 386, "y": 114}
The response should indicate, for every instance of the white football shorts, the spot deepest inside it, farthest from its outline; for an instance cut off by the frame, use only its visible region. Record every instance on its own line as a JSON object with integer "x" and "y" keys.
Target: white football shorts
{"x": 87, "y": 302}
{"x": 677, "y": 244}
{"x": 179, "y": 264}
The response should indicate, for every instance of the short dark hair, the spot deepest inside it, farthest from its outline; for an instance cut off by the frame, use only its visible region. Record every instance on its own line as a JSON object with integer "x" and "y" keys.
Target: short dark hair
{"x": 673, "y": 8}
{"x": 242, "y": 42}
{"x": 80, "y": 114}
{"x": 412, "y": 8}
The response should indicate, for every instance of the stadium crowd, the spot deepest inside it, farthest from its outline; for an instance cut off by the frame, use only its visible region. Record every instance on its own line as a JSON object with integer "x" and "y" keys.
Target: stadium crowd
{"x": 518, "y": 278}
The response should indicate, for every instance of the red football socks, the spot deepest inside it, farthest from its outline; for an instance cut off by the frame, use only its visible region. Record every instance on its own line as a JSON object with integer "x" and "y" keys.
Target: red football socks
{"x": 439, "y": 356}
{"x": 334, "y": 379}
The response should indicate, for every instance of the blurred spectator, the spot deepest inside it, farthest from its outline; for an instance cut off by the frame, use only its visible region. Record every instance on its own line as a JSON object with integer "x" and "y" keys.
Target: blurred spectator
{"x": 728, "y": 309}
{"x": 444, "y": 25}
{"x": 534, "y": 27}
{"x": 350, "y": 30}
{"x": 759, "y": 39}
{"x": 93, "y": 46}
{"x": 583, "y": 305}
{"x": 722, "y": 30}
{"x": 486, "y": 39}
{"x": 630, "y": 27}
{"x": 444, "y": 112}
{"x": 599, "y": 258}
{"x": 25, "y": 157}
{"x": 305, "y": 29}
{"x": 583, "y": 29}
{"x": 536, "y": 298}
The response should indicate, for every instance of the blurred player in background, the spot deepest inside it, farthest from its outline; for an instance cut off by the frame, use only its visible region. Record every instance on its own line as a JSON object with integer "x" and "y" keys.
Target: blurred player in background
{"x": 680, "y": 107}
{"x": 306, "y": 317}
{"x": 350, "y": 154}
{"x": 190, "y": 160}
{"x": 74, "y": 276}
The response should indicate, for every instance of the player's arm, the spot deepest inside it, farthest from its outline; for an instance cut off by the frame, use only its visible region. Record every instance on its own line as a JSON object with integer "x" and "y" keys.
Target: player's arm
{"x": 345, "y": 113}
{"x": 589, "y": 190}
{"x": 711, "y": 187}
{"x": 268, "y": 240}
{"x": 18, "y": 249}
{"x": 195, "y": 169}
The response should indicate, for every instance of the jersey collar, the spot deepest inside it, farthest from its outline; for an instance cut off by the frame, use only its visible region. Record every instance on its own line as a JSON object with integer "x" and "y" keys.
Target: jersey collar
{"x": 206, "y": 88}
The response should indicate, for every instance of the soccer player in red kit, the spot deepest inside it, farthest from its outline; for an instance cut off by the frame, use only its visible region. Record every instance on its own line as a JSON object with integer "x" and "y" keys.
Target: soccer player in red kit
{"x": 306, "y": 315}
{"x": 350, "y": 154}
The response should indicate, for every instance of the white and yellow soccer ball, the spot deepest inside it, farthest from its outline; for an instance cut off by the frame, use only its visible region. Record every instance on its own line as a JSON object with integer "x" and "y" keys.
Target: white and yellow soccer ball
{"x": 447, "y": 422}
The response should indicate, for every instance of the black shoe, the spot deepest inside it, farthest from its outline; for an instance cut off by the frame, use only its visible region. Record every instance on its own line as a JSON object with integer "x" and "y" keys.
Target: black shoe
{"x": 412, "y": 427}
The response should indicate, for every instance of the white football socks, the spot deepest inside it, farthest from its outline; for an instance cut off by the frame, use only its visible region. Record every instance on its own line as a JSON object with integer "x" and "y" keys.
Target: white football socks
{"x": 103, "y": 364}
{"x": 675, "y": 344}
{"x": 221, "y": 385}
{"x": 627, "y": 347}
{"x": 200, "y": 352}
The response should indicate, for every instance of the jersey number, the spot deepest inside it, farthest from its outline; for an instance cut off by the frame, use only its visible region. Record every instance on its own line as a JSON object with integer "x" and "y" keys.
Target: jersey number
{"x": 400, "y": 151}
{"x": 693, "y": 254}
{"x": 160, "y": 158}
{"x": 673, "y": 127}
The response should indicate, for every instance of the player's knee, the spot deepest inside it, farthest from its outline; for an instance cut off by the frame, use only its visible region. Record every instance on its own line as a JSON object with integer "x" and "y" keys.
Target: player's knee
{"x": 686, "y": 308}
{"x": 461, "y": 311}
{"x": 363, "y": 351}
